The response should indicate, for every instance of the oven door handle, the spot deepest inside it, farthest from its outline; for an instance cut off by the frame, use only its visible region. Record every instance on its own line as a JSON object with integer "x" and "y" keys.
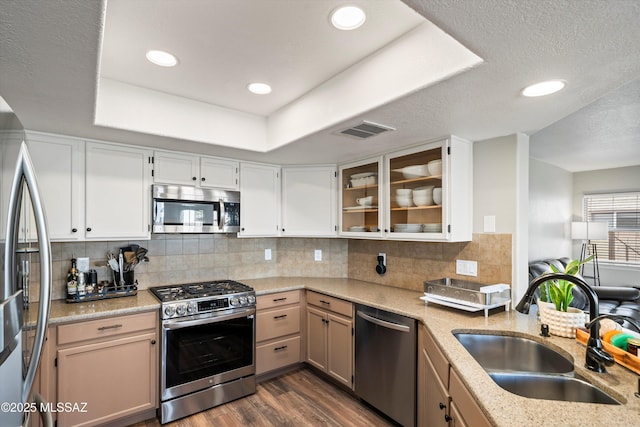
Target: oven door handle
{"x": 179, "y": 324}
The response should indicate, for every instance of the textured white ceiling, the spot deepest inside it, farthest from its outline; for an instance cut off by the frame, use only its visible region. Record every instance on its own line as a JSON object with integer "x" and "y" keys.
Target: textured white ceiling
{"x": 49, "y": 66}
{"x": 224, "y": 45}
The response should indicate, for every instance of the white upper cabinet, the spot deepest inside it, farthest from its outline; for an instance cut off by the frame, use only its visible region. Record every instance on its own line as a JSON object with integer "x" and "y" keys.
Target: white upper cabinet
{"x": 309, "y": 201}
{"x": 259, "y": 200}
{"x": 59, "y": 166}
{"x": 219, "y": 173}
{"x": 184, "y": 169}
{"x": 118, "y": 192}
{"x": 429, "y": 192}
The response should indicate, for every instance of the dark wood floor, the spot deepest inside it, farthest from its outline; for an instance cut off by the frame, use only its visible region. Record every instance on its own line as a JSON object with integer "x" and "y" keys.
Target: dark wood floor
{"x": 298, "y": 398}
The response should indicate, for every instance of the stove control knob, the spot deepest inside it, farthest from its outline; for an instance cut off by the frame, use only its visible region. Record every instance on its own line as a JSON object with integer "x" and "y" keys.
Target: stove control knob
{"x": 243, "y": 300}
{"x": 251, "y": 299}
{"x": 169, "y": 311}
{"x": 181, "y": 310}
{"x": 234, "y": 301}
{"x": 192, "y": 308}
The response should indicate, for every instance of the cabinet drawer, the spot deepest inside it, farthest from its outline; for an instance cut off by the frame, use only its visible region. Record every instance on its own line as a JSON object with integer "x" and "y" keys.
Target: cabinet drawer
{"x": 277, "y": 355}
{"x": 440, "y": 362}
{"x": 330, "y": 303}
{"x": 277, "y": 323}
{"x": 108, "y": 327}
{"x": 276, "y": 300}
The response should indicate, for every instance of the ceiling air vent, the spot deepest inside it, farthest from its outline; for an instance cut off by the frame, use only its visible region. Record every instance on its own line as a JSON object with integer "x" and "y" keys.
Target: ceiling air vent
{"x": 366, "y": 130}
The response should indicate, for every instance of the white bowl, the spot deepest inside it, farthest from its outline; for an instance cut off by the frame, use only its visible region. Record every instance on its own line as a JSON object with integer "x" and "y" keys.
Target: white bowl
{"x": 423, "y": 191}
{"x": 437, "y": 195}
{"x": 365, "y": 201}
{"x": 404, "y": 202}
{"x": 404, "y": 192}
{"x": 435, "y": 167}
{"x": 415, "y": 171}
{"x": 425, "y": 200}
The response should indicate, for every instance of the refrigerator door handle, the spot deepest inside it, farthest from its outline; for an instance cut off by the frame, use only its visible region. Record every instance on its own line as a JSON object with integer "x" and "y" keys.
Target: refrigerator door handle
{"x": 25, "y": 174}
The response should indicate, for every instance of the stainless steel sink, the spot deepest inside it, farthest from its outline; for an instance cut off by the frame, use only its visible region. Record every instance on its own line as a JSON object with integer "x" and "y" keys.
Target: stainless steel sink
{"x": 551, "y": 387}
{"x": 530, "y": 369}
{"x": 509, "y": 353}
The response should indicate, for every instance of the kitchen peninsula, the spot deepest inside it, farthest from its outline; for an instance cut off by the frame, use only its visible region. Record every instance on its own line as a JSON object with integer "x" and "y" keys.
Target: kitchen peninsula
{"x": 500, "y": 407}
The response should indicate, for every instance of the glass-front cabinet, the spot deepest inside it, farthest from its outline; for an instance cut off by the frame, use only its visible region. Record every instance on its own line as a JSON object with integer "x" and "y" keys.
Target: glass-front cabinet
{"x": 416, "y": 192}
{"x": 419, "y": 193}
{"x": 361, "y": 195}
{"x": 429, "y": 193}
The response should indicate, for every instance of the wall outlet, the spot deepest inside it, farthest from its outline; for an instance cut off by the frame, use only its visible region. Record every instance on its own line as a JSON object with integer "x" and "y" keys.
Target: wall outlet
{"x": 317, "y": 255}
{"x": 466, "y": 268}
{"x": 267, "y": 254}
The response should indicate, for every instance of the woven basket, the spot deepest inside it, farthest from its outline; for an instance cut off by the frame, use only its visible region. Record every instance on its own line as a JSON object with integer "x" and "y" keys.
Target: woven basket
{"x": 562, "y": 324}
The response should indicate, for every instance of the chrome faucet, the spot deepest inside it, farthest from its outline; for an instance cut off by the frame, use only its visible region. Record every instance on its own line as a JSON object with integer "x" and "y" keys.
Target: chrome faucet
{"x": 596, "y": 357}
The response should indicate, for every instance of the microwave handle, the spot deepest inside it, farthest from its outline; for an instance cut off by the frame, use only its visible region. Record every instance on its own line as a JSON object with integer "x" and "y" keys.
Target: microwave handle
{"x": 222, "y": 216}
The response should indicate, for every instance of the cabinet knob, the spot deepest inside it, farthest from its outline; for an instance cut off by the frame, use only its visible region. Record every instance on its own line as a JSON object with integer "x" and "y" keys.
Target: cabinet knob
{"x": 88, "y": 228}
{"x": 442, "y": 405}
{"x": 194, "y": 178}
{"x": 202, "y": 179}
{"x": 74, "y": 230}
{"x": 447, "y": 418}
{"x": 283, "y": 230}
{"x": 242, "y": 229}
{"x": 153, "y": 342}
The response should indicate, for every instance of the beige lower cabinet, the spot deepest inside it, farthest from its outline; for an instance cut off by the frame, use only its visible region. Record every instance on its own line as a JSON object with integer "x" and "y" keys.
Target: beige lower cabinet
{"x": 443, "y": 400}
{"x": 330, "y": 336}
{"x": 108, "y": 369}
{"x": 464, "y": 409}
{"x": 278, "y": 337}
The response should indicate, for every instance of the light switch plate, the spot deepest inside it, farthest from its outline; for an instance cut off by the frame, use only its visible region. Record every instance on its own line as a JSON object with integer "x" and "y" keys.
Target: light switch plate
{"x": 317, "y": 255}
{"x": 267, "y": 254}
{"x": 466, "y": 268}
{"x": 489, "y": 224}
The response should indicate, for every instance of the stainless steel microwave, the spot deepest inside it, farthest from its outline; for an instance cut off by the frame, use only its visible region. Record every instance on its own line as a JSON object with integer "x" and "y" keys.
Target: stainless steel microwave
{"x": 183, "y": 209}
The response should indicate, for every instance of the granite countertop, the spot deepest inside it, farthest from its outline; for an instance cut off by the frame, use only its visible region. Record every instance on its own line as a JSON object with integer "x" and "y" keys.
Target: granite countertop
{"x": 63, "y": 312}
{"x": 501, "y": 407}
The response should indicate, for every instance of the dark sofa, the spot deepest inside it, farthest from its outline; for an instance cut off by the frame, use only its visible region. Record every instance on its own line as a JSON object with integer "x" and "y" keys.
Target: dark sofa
{"x": 622, "y": 300}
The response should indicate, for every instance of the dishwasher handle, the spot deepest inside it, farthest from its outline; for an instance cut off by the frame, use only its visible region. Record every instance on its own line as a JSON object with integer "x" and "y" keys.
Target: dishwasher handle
{"x": 383, "y": 323}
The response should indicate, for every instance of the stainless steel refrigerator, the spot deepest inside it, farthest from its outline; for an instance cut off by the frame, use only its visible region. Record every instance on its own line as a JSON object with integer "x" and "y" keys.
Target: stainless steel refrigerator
{"x": 20, "y": 198}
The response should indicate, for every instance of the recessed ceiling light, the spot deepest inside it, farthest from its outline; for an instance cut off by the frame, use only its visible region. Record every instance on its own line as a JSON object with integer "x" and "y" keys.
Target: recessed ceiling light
{"x": 259, "y": 88}
{"x": 544, "y": 88}
{"x": 348, "y": 17}
{"x": 162, "y": 58}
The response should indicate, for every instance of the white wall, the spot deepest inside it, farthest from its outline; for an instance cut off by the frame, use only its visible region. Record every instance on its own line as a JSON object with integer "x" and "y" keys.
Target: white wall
{"x": 603, "y": 181}
{"x": 500, "y": 190}
{"x": 550, "y": 210}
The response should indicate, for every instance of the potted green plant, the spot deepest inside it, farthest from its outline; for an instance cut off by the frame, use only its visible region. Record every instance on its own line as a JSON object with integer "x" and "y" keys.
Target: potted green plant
{"x": 559, "y": 292}
{"x": 555, "y": 298}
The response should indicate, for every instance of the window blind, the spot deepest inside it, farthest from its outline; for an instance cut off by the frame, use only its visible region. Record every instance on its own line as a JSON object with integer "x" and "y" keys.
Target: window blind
{"x": 621, "y": 211}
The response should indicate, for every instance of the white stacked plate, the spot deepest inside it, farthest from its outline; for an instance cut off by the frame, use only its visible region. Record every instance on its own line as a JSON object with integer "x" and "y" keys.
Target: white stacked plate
{"x": 407, "y": 228}
{"x": 435, "y": 227}
{"x": 365, "y": 178}
{"x": 358, "y": 228}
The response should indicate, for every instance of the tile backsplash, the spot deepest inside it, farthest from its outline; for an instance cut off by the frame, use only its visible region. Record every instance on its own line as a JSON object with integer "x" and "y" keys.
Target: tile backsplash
{"x": 409, "y": 264}
{"x": 177, "y": 259}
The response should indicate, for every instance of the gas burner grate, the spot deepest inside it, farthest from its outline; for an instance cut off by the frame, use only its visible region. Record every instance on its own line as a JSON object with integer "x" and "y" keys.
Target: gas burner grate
{"x": 199, "y": 290}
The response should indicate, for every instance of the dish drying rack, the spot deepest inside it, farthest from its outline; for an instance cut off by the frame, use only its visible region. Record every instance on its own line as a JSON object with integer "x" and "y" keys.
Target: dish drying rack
{"x": 466, "y": 295}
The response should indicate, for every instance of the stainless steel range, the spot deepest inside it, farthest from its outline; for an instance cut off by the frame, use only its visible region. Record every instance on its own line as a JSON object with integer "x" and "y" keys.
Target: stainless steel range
{"x": 208, "y": 346}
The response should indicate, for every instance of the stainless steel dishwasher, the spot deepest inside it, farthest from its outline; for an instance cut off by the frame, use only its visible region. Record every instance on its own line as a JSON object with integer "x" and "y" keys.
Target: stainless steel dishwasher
{"x": 385, "y": 374}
